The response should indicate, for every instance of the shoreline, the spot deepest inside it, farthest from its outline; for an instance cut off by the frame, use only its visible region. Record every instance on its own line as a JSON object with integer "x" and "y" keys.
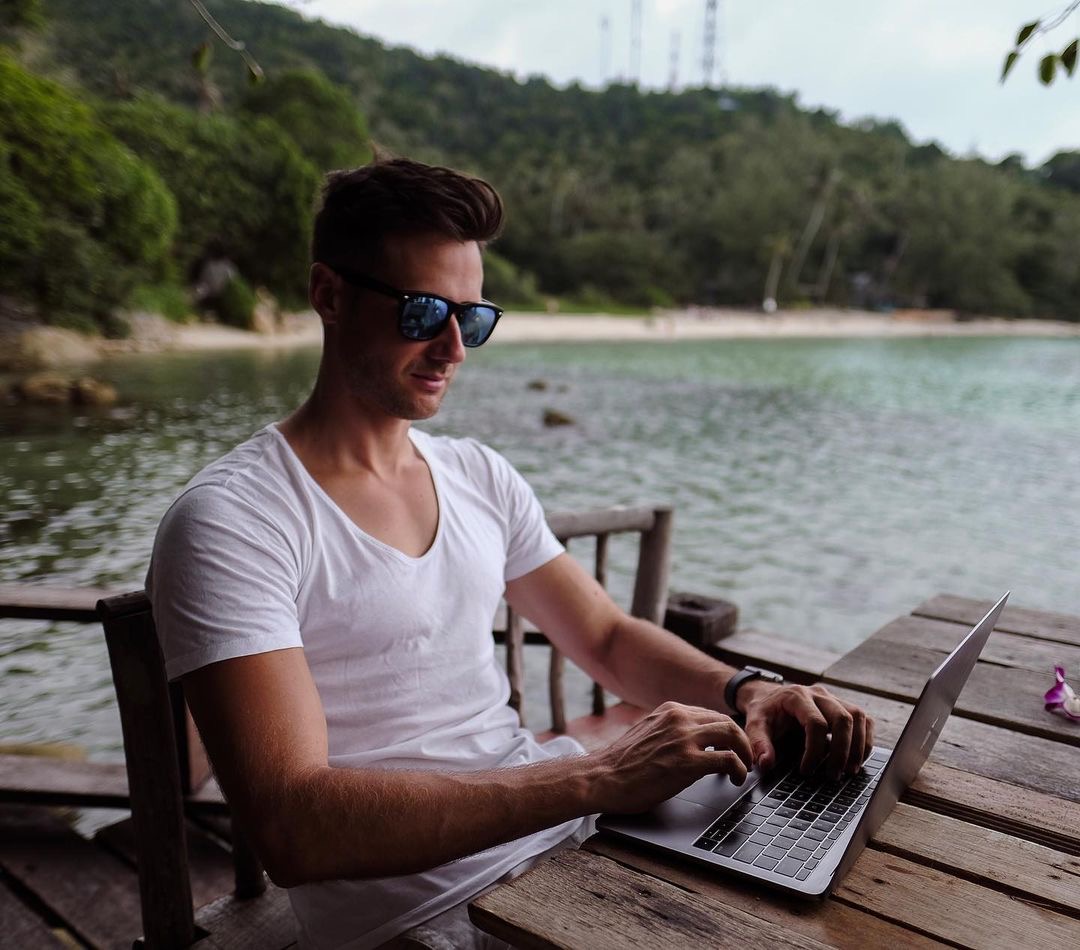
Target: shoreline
{"x": 304, "y": 329}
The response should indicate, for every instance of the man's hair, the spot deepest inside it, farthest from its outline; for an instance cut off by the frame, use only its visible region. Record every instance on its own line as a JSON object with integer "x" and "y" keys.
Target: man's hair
{"x": 362, "y": 206}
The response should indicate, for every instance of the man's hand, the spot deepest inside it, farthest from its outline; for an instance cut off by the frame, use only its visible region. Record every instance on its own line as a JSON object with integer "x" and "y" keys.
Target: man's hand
{"x": 839, "y": 733}
{"x": 665, "y": 752}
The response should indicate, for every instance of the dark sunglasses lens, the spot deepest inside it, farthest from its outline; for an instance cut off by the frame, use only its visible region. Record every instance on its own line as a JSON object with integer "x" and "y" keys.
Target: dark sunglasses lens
{"x": 423, "y": 317}
{"x": 477, "y": 324}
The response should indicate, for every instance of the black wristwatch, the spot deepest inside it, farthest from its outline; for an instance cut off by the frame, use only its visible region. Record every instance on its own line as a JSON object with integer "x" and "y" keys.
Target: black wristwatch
{"x": 744, "y": 675}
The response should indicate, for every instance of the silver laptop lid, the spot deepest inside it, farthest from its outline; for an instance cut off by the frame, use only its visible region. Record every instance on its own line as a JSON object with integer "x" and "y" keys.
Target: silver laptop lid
{"x": 927, "y": 719}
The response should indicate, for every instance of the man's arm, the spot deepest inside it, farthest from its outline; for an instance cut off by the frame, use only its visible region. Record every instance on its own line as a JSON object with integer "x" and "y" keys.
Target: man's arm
{"x": 263, "y": 726}
{"x": 645, "y": 665}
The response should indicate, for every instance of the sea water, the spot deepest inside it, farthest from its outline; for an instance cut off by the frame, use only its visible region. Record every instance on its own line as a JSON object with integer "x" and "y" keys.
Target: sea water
{"x": 824, "y": 486}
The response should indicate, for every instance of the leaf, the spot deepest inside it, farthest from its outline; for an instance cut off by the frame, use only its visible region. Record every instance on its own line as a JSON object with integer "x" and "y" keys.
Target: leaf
{"x": 1068, "y": 57}
{"x": 200, "y": 56}
{"x": 1010, "y": 61}
{"x": 1047, "y": 65}
{"x": 1025, "y": 32}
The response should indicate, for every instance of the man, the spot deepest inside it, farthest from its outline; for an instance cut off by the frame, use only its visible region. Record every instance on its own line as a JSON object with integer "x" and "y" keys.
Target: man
{"x": 325, "y": 592}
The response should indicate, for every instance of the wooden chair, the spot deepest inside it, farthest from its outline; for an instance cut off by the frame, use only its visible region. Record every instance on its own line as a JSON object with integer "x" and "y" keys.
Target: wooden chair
{"x": 160, "y": 747}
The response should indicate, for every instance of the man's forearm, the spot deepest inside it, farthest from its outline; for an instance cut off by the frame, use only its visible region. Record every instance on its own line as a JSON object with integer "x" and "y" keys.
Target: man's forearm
{"x": 354, "y": 823}
{"x": 646, "y": 665}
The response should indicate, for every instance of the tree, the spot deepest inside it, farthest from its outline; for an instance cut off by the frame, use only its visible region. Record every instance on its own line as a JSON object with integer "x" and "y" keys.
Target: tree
{"x": 82, "y": 219}
{"x": 1050, "y": 63}
{"x": 320, "y": 118}
{"x": 239, "y": 181}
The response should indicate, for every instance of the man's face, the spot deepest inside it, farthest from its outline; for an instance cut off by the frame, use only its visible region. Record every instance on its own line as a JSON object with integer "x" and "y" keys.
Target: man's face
{"x": 402, "y": 378}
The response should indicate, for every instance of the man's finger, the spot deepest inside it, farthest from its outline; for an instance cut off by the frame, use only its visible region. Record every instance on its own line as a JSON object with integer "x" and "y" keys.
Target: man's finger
{"x": 814, "y": 726}
{"x": 841, "y": 725}
{"x": 858, "y": 739}
{"x": 759, "y": 734}
{"x": 726, "y": 762}
{"x": 726, "y": 735}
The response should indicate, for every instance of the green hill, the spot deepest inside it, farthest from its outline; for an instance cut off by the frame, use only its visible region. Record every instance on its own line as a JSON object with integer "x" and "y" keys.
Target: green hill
{"x": 630, "y": 196}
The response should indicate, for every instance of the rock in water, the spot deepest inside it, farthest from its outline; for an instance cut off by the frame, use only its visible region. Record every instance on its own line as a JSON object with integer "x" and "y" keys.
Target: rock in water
{"x": 552, "y": 417}
{"x": 46, "y": 389}
{"x": 52, "y": 389}
{"x": 87, "y": 391}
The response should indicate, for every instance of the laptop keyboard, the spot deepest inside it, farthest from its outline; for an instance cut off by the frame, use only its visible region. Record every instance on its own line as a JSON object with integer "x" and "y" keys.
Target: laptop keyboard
{"x": 792, "y": 827}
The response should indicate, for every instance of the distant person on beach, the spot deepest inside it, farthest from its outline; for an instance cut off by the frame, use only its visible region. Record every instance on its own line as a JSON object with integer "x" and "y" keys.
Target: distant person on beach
{"x": 325, "y": 592}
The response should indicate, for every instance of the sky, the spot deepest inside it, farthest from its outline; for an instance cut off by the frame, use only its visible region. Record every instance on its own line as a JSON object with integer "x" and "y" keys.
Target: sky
{"x": 933, "y": 65}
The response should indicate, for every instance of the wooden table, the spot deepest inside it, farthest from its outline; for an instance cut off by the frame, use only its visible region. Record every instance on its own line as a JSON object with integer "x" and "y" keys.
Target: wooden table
{"x": 981, "y": 852}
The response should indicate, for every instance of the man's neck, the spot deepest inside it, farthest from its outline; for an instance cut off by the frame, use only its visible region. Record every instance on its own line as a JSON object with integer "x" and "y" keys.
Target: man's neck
{"x": 335, "y": 436}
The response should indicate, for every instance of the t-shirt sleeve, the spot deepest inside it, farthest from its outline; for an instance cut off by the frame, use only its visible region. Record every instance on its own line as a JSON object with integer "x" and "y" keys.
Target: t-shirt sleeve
{"x": 530, "y": 543}
{"x": 223, "y": 582}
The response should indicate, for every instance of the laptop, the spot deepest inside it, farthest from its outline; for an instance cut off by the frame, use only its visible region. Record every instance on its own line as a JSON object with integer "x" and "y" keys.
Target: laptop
{"x": 800, "y": 833}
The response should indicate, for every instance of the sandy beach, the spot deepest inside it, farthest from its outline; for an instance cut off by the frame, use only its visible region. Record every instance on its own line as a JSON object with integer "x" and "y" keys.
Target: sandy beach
{"x": 303, "y": 329}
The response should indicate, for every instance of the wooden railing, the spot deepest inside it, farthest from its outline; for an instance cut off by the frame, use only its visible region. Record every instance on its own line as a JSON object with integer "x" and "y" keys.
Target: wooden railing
{"x": 648, "y": 600}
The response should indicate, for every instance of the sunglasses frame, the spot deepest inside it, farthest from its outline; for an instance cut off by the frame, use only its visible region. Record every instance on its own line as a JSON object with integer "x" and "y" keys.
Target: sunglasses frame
{"x": 403, "y": 297}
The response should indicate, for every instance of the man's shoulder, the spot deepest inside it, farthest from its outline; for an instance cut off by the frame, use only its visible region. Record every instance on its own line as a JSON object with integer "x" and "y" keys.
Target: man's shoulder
{"x": 251, "y": 479}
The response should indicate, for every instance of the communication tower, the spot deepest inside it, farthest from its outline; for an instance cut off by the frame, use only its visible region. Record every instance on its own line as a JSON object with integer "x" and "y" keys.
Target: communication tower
{"x": 605, "y": 50}
{"x": 635, "y": 42}
{"x": 712, "y": 44}
{"x": 673, "y": 75}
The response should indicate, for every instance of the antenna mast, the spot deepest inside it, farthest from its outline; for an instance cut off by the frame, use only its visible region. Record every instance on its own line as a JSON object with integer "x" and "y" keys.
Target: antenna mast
{"x": 673, "y": 76}
{"x": 708, "y": 59}
{"x": 635, "y": 42}
{"x": 605, "y": 50}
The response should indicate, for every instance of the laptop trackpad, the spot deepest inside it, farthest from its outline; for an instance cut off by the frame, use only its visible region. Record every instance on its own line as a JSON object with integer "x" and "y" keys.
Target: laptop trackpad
{"x": 717, "y": 791}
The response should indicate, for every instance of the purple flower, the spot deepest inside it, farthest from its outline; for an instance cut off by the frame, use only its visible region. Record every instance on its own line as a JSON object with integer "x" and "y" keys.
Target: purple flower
{"x": 1060, "y": 698}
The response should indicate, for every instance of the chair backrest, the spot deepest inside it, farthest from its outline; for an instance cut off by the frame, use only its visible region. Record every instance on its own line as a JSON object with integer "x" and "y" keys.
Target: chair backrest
{"x": 654, "y": 526}
{"x": 159, "y": 745}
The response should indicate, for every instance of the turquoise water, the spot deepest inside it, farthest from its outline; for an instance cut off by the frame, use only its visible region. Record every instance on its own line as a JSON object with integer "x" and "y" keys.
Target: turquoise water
{"x": 824, "y": 486}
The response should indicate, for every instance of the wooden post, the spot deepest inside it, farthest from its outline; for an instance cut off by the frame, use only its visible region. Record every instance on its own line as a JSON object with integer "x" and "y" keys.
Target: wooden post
{"x": 555, "y": 691}
{"x": 515, "y": 660}
{"x": 248, "y": 875}
{"x": 598, "y": 701}
{"x": 157, "y": 806}
{"x": 654, "y": 568}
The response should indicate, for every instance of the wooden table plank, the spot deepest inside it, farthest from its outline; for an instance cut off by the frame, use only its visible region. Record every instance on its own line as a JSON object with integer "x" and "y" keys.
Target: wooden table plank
{"x": 93, "y": 893}
{"x": 986, "y": 857}
{"x": 797, "y": 662}
{"x": 838, "y": 925}
{"x": 578, "y": 899}
{"x": 43, "y": 602}
{"x": 950, "y": 908}
{"x": 1005, "y": 697}
{"x": 1003, "y": 649}
{"x": 1043, "y": 624}
{"x": 993, "y": 751}
{"x": 21, "y": 927}
{"x": 1020, "y": 812}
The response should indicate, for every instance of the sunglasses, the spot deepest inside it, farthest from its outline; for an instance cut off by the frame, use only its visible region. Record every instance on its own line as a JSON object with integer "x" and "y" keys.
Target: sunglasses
{"x": 423, "y": 316}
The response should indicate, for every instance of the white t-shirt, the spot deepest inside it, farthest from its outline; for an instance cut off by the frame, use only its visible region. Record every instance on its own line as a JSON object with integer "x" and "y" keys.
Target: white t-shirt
{"x": 254, "y": 556}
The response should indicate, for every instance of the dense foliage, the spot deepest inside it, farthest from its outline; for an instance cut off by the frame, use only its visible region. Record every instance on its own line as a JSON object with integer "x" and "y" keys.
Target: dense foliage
{"x": 240, "y": 182}
{"x": 81, "y": 218}
{"x": 617, "y": 195}
{"x": 318, "y": 116}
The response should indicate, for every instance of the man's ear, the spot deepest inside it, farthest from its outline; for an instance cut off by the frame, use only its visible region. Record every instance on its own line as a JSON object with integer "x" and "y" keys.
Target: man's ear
{"x": 326, "y": 293}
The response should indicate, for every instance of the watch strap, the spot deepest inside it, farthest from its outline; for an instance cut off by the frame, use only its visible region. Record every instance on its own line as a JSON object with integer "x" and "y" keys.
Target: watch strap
{"x": 744, "y": 675}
